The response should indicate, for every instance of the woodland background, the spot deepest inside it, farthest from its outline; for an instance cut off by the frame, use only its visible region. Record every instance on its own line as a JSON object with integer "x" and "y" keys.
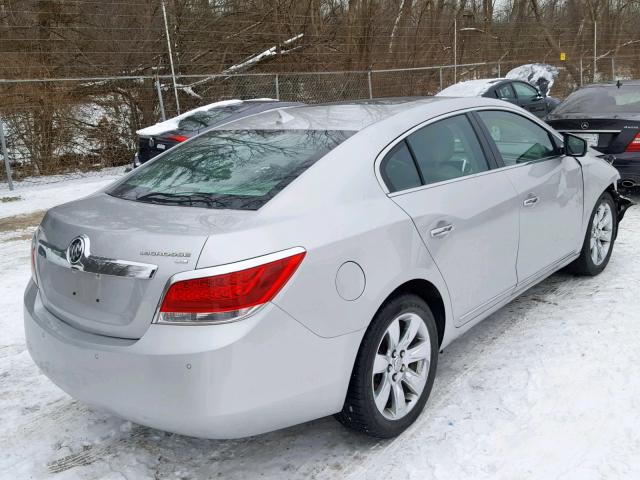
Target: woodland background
{"x": 61, "y": 114}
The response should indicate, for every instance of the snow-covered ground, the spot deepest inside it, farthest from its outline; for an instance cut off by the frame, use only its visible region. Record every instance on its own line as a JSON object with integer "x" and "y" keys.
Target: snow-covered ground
{"x": 41, "y": 193}
{"x": 546, "y": 388}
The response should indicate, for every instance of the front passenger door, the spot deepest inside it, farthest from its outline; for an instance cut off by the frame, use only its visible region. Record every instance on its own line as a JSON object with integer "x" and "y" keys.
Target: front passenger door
{"x": 550, "y": 189}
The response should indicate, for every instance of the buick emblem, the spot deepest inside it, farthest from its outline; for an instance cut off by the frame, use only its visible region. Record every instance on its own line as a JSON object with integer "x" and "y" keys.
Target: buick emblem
{"x": 151, "y": 142}
{"x": 584, "y": 125}
{"x": 78, "y": 248}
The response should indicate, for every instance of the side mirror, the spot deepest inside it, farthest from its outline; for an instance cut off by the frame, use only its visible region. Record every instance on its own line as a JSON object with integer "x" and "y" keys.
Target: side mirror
{"x": 574, "y": 146}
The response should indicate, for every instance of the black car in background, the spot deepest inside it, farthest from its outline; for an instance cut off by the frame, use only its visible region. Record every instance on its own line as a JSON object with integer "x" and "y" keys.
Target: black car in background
{"x": 160, "y": 137}
{"x": 607, "y": 116}
{"x": 514, "y": 91}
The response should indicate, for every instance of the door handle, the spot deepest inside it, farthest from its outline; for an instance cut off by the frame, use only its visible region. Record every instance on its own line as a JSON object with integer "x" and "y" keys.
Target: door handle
{"x": 531, "y": 201}
{"x": 441, "y": 231}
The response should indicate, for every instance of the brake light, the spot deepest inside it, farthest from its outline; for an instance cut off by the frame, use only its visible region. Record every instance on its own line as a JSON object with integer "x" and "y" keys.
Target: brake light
{"x": 227, "y": 296}
{"x": 634, "y": 146}
{"x": 176, "y": 138}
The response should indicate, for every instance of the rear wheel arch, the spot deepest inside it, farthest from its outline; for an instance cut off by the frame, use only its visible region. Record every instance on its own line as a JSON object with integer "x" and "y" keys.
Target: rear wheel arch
{"x": 367, "y": 408}
{"x": 621, "y": 203}
{"x": 613, "y": 191}
{"x": 428, "y": 292}
{"x": 586, "y": 264}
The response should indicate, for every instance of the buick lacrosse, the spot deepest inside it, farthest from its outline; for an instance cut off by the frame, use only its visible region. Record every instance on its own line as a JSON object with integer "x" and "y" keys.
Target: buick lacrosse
{"x": 311, "y": 261}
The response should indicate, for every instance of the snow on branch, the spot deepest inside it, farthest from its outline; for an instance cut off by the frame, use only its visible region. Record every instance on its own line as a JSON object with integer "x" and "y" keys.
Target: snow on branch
{"x": 270, "y": 52}
{"x": 250, "y": 62}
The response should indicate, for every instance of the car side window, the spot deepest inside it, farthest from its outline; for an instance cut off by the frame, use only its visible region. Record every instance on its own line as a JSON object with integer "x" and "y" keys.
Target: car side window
{"x": 447, "y": 149}
{"x": 399, "y": 170}
{"x": 518, "y": 139}
{"x": 524, "y": 91}
{"x": 505, "y": 91}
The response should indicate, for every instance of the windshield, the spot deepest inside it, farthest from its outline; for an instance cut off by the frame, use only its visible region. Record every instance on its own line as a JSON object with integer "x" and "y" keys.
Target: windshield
{"x": 625, "y": 99}
{"x": 235, "y": 169}
{"x": 203, "y": 119}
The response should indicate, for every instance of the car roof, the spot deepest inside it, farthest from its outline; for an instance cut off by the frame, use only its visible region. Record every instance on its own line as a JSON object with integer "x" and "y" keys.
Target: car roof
{"x": 268, "y": 101}
{"x": 173, "y": 122}
{"x": 353, "y": 115}
{"x": 471, "y": 88}
{"x": 633, "y": 83}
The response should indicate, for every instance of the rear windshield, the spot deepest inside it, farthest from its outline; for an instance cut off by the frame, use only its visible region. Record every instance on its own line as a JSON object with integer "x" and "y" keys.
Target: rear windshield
{"x": 203, "y": 119}
{"x": 625, "y": 99}
{"x": 235, "y": 169}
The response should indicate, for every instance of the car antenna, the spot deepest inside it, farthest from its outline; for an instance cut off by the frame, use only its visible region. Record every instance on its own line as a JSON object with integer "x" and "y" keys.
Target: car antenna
{"x": 618, "y": 83}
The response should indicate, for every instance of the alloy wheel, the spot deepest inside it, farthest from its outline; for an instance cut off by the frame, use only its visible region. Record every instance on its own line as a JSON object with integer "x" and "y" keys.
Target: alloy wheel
{"x": 601, "y": 233}
{"x": 401, "y": 366}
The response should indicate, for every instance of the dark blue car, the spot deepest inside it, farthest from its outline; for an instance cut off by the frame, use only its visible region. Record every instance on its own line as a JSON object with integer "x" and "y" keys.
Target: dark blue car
{"x": 160, "y": 137}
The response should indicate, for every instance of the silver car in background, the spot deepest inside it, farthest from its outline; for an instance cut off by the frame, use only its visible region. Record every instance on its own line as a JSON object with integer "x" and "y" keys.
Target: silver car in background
{"x": 310, "y": 261}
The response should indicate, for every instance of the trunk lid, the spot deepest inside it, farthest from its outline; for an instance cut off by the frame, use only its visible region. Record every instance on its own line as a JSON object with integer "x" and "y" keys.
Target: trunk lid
{"x": 119, "y": 302}
{"x": 605, "y": 133}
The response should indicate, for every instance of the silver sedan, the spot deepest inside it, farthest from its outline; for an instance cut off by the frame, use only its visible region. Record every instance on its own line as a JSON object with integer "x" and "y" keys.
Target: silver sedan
{"x": 309, "y": 261}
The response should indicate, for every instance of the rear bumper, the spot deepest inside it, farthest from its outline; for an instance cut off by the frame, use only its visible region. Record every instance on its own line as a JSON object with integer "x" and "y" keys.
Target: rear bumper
{"x": 224, "y": 381}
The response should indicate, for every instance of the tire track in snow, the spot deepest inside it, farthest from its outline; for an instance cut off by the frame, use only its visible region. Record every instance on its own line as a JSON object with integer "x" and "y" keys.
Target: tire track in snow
{"x": 321, "y": 449}
{"x": 442, "y": 394}
{"x": 101, "y": 452}
{"x": 547, "y": 294}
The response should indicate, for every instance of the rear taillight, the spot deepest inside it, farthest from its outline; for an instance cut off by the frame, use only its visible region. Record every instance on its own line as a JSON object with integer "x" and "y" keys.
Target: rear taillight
{"x": 176, "y": 138}
{"x": 634, "y": 146}
{"x": 229, "y": 292}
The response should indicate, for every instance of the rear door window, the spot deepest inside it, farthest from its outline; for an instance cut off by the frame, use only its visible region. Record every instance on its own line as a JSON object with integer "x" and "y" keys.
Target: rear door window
{"x": 505, "y": 92}
{"x": 399, "y": 170}
{"x": 447, "y": 149}
{"x": 235, "y": 169}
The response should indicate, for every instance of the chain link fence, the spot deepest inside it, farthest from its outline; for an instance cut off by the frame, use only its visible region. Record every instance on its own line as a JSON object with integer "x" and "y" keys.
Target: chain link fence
{"x": 64, "y": 125}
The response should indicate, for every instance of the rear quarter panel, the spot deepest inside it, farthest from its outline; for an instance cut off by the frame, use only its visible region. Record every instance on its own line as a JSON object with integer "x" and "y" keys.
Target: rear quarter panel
{"x": 375, "y": 233}
{"x": 338, "y": 212}
{"x": 389, "y": 251}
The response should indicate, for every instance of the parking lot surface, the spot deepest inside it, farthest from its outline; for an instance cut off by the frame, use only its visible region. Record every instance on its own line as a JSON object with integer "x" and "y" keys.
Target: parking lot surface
{"x": 547, "y": 387}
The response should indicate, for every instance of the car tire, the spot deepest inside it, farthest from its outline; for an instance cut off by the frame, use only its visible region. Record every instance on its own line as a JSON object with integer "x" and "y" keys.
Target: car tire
{"x": 389, "y": 339}
{"x": 590, "y": 262}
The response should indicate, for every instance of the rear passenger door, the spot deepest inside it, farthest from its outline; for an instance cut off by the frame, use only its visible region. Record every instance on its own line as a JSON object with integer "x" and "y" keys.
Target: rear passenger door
{"x": 530, "y": 99}
{"x": 466, "y": 213}
{"x": 549, "y": 186}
